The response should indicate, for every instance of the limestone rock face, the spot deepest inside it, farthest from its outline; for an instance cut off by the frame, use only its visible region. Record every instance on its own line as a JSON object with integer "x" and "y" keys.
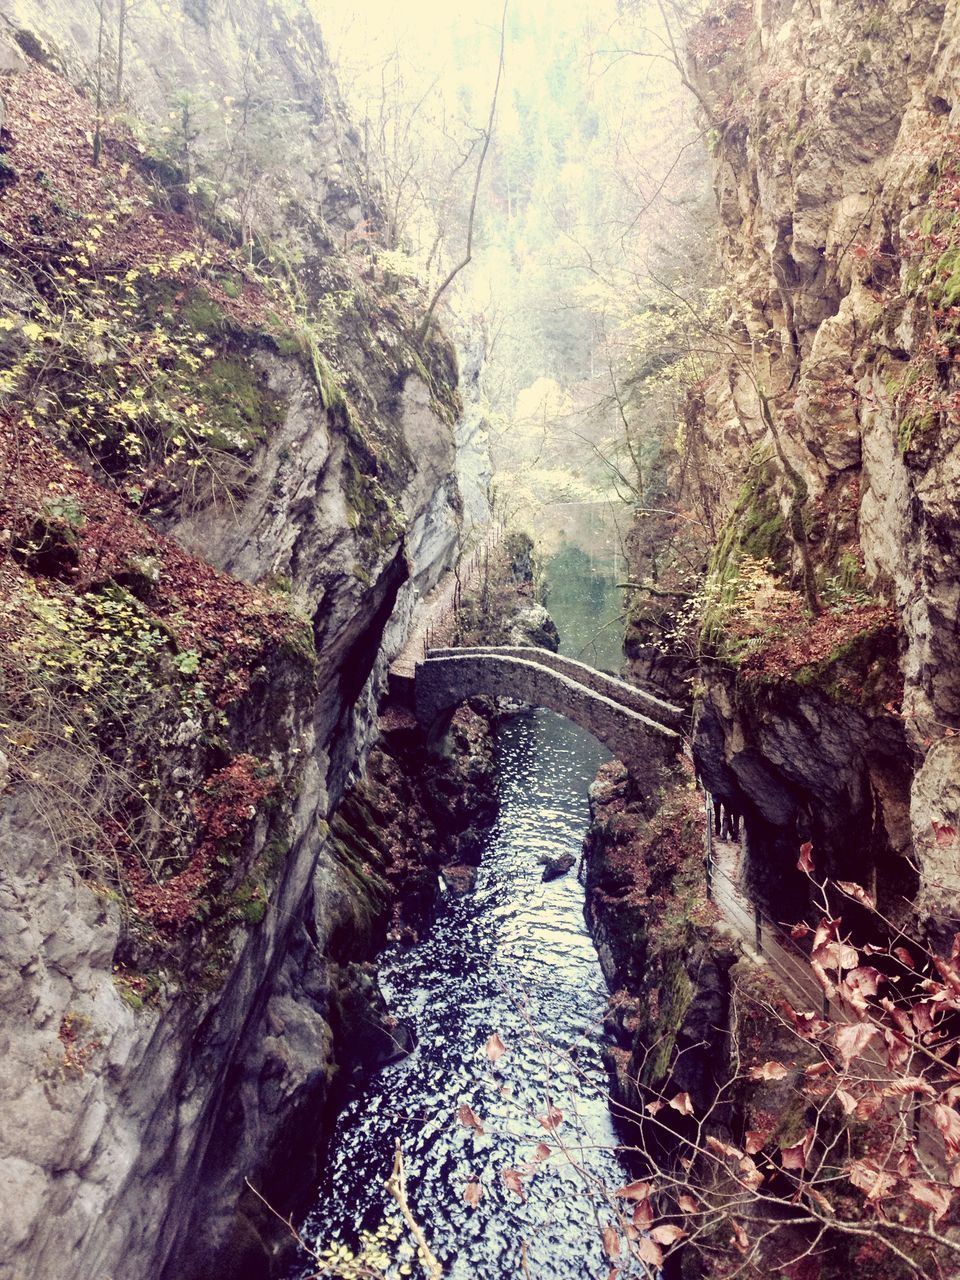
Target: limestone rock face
{"x": 130, "y": 1115}
{"x": 835, "y": 164}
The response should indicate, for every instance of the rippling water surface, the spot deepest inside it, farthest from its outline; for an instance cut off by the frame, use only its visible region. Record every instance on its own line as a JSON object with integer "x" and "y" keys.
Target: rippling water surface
{"x": 513, "y": 957}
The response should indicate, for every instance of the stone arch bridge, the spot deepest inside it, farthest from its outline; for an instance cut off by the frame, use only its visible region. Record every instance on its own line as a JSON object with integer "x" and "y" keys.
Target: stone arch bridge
{"x": 641, "y": 730}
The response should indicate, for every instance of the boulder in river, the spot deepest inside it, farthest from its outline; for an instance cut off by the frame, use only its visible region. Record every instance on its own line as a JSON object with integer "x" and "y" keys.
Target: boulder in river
{"x": 556, "y": 866}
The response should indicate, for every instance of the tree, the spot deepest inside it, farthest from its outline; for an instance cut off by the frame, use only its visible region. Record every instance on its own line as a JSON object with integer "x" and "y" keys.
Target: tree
{"x": 445, "y": 284}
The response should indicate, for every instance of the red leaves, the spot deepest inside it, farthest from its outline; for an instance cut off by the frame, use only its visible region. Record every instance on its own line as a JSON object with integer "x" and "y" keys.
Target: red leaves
{"x": 552, "y": 1120}
{"x": 649, "y": 1251}
{"x": 512, "y": 1180}
{"x": 667, "y": 1234}
{"x": 723, "y": 1148}
{"x": 468, "y": 1118}
{"x": 472, "y": 1194}
{"x": 944, "y": 834}
{"x": 634, "y": 1191}
{"x": 948, "y": 1122}
{"x": 769, "y": 1071}
{"x": 495, "y": 1048}
{"x": 868, "y": 1176}
{"x": 795, "y": 1156}
{"x": 858, "y": 893}
{"x": 754, "y": 1140}
{"x": 682, "y": 1104}
{"x": 805, "y": 861}
{"x": 852, "y": 1039}
{"x": 740, "y": 1240}
{"x": 611, "y": 1242}
{"x": 933, "y": 1197}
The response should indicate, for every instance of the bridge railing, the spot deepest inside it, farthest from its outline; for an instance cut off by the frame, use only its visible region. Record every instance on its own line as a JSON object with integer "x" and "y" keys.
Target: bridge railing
{"x": 633, "y": 696}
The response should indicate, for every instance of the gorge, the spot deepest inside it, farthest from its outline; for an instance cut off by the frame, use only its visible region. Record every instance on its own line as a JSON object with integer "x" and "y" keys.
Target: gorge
{"x": 255, "y": 897}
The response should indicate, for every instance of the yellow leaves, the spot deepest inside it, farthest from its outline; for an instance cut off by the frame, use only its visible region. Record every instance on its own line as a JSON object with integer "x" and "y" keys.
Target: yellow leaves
{"x": 128, "y": 409}
{"x": 6, "y": 323}
{"x": 32, "y": 331}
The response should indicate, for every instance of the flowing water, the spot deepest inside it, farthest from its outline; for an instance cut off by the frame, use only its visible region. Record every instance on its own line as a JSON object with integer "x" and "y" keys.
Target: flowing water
{"x": 512, "y": 958}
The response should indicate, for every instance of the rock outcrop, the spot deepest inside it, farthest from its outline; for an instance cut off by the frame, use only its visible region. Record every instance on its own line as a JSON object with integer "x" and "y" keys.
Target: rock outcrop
{"x": 835, "y": 163}
{"x": 227, "y": 473}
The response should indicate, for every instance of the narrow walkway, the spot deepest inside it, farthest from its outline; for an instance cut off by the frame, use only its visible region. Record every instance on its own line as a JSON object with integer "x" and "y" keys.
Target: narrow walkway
{"x": 436, "y": 610}
{"x": 768, "y": 943}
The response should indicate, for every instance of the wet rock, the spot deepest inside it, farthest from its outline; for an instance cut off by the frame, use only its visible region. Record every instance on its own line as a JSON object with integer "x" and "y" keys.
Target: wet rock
{"x": 459, "y": 879}
{"x": 555, "y": 867}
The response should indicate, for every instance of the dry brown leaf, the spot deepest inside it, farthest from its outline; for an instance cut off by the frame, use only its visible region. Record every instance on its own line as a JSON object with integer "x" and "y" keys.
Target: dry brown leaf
{"x": 468, "y": 1118}
{"x": 667, "y": 1234}
{"x": 649, "y": 1251}
{"x": 634, "y": 1191}
{"x": 769, "y": 1071}
{"x": 611, "y": 1242}
{"x": 495, "y": 1048}
{"x": 936, "y": 1198}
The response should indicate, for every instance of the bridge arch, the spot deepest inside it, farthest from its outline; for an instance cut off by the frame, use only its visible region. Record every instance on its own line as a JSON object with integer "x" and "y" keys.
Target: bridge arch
{"x": 646, "y": 745}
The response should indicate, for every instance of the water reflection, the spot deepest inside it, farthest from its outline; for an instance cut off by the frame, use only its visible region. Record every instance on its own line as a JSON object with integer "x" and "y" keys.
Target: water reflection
{"x": 580, "y": 545}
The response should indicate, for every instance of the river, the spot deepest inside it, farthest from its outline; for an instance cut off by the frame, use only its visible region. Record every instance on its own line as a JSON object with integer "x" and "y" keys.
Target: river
{"x": 512, "y": 959}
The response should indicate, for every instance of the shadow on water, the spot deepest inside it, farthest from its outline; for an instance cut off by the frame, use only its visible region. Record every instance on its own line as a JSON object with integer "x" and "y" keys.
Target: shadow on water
{"x": 513, "y": 957}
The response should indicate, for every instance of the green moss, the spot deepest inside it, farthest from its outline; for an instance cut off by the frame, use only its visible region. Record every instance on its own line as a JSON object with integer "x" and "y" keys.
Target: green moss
{"x": 676, "y": 996}
{"x": 912, "y": 426}
{"x": 243, "y": 409}
{"x": 756, "y": 528}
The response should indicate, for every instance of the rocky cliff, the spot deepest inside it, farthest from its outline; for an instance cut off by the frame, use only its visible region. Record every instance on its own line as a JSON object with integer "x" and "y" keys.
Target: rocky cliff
{"x": 227, "y": 471}
{"x": 831, "y": 704}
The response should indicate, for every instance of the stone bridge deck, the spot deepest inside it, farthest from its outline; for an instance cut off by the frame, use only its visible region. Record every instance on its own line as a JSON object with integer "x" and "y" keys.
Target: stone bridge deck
{"x": 638, "y": 728}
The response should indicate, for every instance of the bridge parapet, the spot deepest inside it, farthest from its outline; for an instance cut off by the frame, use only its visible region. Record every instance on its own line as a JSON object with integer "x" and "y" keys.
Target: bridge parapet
{"x": 629, "y": 695}
{"x": 446, "y": 679}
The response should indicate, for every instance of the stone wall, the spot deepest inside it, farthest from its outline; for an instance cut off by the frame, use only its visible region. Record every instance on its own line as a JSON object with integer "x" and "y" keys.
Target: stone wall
{"x": 644, "y": 745}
